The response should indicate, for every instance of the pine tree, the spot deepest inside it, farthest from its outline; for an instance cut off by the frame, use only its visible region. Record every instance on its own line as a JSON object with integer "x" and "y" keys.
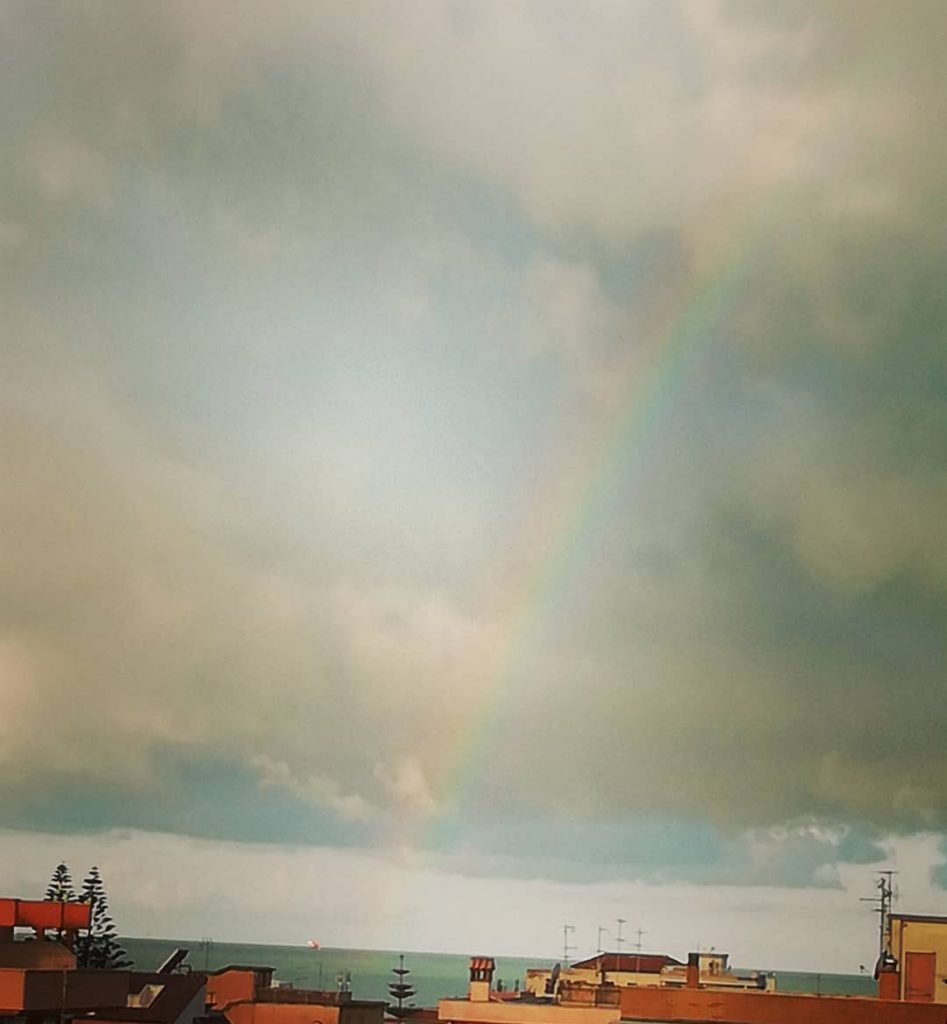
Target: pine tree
{"x": 99, "y": 947}
{"x": 60, "y": 888}
{"x": 399, "y": 991}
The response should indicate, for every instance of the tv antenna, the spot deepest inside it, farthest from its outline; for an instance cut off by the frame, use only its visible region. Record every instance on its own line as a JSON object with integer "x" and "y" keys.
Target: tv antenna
{"x": 638, "y": 933}
{"x": 601, "y": 931}
{"x": 618, "y": 938}
{"x": 882, "y": 902}
{"x": 566, "y": 944}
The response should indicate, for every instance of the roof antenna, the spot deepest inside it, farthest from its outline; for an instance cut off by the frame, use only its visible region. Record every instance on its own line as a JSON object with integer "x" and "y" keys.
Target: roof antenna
{"x": 566, "y": 945}
{"x": 883, "y": 903}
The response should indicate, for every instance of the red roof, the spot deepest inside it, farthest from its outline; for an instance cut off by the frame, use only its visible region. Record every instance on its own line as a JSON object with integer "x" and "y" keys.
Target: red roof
{"x": 482, "y": 963}
{"x": 636, "y": 963}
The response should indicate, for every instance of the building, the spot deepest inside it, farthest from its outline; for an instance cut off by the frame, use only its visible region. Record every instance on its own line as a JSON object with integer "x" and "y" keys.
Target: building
{"x": 918, "y": 942}
{"x": 606, "y": 968}
{"x": 695, "y": 1002}
{"x": 40, "y": 984}
{"x": 484, "y": 1005}
{"x": 714, "y": 971}
{"x": 65, "y": 920}
{"x": 39, "y": 981}
{"x": 248, "y": 995}
{"x": 652, "y": 970}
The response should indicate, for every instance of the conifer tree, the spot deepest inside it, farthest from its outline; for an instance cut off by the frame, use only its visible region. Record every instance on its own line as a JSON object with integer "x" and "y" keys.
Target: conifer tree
{"x": 99, "y": 947}
{"x": 400, "y": 991}
{"x": 60, "y": 888}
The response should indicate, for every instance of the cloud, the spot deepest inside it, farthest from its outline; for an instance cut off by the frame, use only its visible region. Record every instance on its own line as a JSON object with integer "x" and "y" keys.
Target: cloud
{"x": 407, "y": 785}
{"x": 611, "y": 117}
{"x": 478, "y": 410}
{"x": 172, "y": 886}
{"x": 314, "y": 789}
{"x": 141, "y": 612}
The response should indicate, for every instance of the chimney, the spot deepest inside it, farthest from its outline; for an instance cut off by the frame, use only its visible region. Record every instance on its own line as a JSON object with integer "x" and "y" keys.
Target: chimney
{"x": 889, "y": 979}
{"x": 481, "y": 978}
{"x": 693, "y": 971}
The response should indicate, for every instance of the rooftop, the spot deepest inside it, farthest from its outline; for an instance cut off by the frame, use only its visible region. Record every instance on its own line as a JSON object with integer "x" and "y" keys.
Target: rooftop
{"x": 635, "y": 963}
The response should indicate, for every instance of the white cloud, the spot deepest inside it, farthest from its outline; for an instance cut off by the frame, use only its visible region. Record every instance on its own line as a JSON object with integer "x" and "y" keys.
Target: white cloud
{"x": 407, "y": 785}
{"x": 164, "y": 885}
{"x": 613, "y": 117}
{"x": 311, "y": 789}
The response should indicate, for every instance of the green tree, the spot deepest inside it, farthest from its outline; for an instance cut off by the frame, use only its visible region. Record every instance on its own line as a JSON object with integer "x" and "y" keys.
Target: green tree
{"x": 99, "y": 947}
{"x": 400, "y": 991}
{"x": 60, "y": 888}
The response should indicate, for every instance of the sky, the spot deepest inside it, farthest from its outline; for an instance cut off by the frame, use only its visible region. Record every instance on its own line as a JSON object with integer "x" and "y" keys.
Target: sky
{"x": 469, "y": 467}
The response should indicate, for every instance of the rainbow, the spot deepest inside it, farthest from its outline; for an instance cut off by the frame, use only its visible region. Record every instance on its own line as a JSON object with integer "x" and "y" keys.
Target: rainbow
{"x": 565, "y": 513}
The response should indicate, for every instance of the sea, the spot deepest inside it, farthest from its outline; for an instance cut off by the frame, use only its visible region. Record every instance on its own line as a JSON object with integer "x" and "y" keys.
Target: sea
{"x": 433, "y": 975}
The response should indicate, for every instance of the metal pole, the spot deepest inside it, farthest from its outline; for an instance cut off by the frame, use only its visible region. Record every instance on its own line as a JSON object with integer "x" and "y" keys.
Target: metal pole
{"x": 882, "y": 907}
{"x": 566, "y": 928}
{"x": 887, "y": 896}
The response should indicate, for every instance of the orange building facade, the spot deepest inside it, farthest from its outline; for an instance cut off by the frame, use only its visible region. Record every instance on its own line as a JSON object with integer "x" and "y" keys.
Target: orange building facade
{"x": 702, "y": 1005}
{"x": 245, "y": 995}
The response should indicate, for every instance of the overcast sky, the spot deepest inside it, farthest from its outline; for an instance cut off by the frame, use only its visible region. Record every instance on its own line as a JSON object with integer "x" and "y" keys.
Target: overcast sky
{"x": 478, "y": 455}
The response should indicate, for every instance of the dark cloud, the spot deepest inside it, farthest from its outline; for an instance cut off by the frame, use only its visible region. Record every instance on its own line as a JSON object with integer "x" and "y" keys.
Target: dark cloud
{"x": 316, "y": 331}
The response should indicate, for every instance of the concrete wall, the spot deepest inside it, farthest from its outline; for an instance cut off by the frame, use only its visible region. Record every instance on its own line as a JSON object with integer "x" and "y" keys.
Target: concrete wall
{"x": 75, "y": 990}
{"x": 46, "y": 956}
{"x": 356, "y": 1014}
{"x": 11, "y": 991}
{"x": 461, "y": 1010}
{"x": 677, "y": 976}
{"x": 770, "y": 1008}
{"x": 282, "y": 1013}
{"x": 239, "y": 994}
{"x": 536, "y": 978}
{"x": 197, "y": 1007}
{"x": 194, "y": 1009}
{"x": 230, "y": 986}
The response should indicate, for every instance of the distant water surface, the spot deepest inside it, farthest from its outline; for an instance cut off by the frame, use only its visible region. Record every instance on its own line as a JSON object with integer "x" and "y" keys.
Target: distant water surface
{"x": 434, "y": 975}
